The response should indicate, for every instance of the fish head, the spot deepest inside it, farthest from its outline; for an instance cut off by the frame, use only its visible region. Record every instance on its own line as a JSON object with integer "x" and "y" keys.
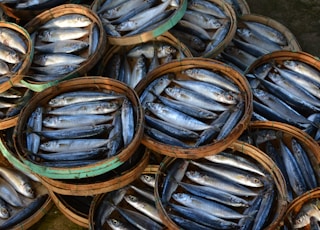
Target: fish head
{"x": 113, "y": 222}
{"x": 131, "y": 199}
{"x": 28, "y": 190}
{"x": 4, "y": 213}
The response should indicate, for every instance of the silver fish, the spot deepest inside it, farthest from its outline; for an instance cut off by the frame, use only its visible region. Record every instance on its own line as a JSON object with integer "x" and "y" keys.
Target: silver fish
{"x": 61, "y": 34}
{"x": 12, "y": 39}
{"x": 303, "y": 217}
{"x": 117, "y": 224}
{"x": 57, "y": 59}
{"x": 9, "y": 194}
{"x": 64, "y": 46}
{"x": 4, "y": 209}
{"x": 72, "y": 145}
{"x": 92, "y": 107}
{"x": 72, "y": 121}
{"x": 139, "y": 71}
{"x": 173, "y": 116}
{"x": 206, "y": 7}
{"x": 4, "y": 68}
{"x": 9, "y": 55}
{"x": 194, "y": 29}
{"x": 147, "y": 49}
{"x": 19, "y": 181}
{"x": 127, "y": 119}
{"x": 120, "y": 10}
{"x": 56, "y": 69}
{"x": 65, "y": 21}
{"x": 203, "y": 20}
{"x": 148, "y": 179}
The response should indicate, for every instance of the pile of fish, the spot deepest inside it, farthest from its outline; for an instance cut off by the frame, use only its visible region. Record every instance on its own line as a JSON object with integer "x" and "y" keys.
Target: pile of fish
{"x": 131, "y": 66}
{"x": 291, "y": 156}
{"x": 287, "y": 91}
{"x": 32, "y": 4}
{"x": 13, "y": 51}
{"x": 128, "y": 18}
{"x": 18, "y": 198}
{"x": 203, "y": 27}
{"x": 224, "y": 191}
{"x": 78, "y": 128}
{"x": 191, "y": 108}
{"x": 13, "y": 100}
{"x": 308, "y": 216}
{"x": 130, "y": 207}
{"x": 251, "y": 41}
{"x": 61, "y": 45}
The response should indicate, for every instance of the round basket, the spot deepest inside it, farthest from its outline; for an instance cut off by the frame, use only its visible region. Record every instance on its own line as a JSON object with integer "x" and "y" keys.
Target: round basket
{"x": 277, "y": 58}
{"x": 91, "y": 58}
{"x": 212, "y": 47}
{"x": 95, "y": 169}
{"x": 113, "y": 180}
{"x": 23, "y": 67}
{"x": 245, "y": 150}
{"x": 287, "y": 133}
{"x": 176, "y": 67}
{"x": 296, "y": 206}
{"x": 40, "y": 191}
{"x": 125, "y": 40}
{"x": 99, "y": 202}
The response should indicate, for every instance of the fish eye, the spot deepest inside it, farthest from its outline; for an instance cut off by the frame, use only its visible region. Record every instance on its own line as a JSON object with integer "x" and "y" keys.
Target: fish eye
{"x": 133, "y": 198}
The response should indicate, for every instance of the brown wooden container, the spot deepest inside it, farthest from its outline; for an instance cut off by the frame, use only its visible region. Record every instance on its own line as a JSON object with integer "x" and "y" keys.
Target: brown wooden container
{"x": 125, "y": 40}
{"x": 278, "y": 57}
{"x": 98, "y": 201}
{"x": 103, "y": 183}
{"x": 288, "y": 132}
{"x": 101, "y": 167}
{"x": 39, "y": 190}
{"x": 65, "y": 9}
{"x": 249, "y": 151}
{"x": 296, "y": 205}
{"x": 27, "y": 58}
{"x": 213, "y": 147}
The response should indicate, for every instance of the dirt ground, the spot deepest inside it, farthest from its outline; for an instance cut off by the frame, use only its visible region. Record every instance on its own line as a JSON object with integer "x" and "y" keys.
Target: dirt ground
{"x": 301, "y": 17}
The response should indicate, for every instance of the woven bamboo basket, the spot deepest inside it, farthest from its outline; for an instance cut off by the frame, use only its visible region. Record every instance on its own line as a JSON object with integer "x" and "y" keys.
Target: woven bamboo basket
{"x": 65, "y": 9}
{"x": 252, "y": 153}
{"x": 26, "y": 61}
{"x": 101, "y": 167}
{"x": 103, "y": 183}
{"x": 277, "y": 58}
{"x": 214, "y": 146}
{"x": 39, "y": 190}
{"x": 148, "y": 35}
{"x": 296, "y": 206}
{"x": 98, "y": 204}
{"x": 288, "y": 132}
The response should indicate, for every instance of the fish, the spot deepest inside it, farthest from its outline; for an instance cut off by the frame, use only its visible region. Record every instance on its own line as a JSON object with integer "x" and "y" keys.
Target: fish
{"x": 64, "y": 21}
{"x": 61, "y": 34}
{"x": 117, "y": 224}
{"x": 4, "y": 68}
{"x": 4, "y": 209}
{"x": 73, "y": 97}
{"x": 235, "y": 160}
{"x": 209, "y": 206}
{"x": 237, "y": 176}
{"x": 194, "y": 98}
{"x": 201, "y": 217}
{"x": 120, "y": 10}
{"x": 144, "y": 206}
{"x": 147, "y": 49}
{"x": 9, "y": 194}
{"x": 205, "y": 179}
{"x": 108, "y": 4}
{"x": 205, "y": 21}
{"x": 64, "y": 46}
{"x": 174, "y": 116}
{"x": 93, "y": 39}
{"x": 207, "y": 7}
{"x": 72, "y": 145}
{"x": 209, "y": 76}
{"x": 139, "y": 71}
{"x": 194, "y": 29}
{"x": 148, "y": 180}
{"x": 142, "y": 17}
{"x": 116, "y": 134}
{"x": 12, "y": 39}
{"x": 93, "y": 107}
{"x": 249, "y": 48}
{"x": 128, "y": 123}
{"x": 18, "y": 181}
{"x": 187, "y": 223}
{"x": 190, "y": 40}
{"x": 61, "y": 69}
{"x": 239, "y": 57}
{"x": 48, "y": 59}
{"x": 307, "y": 210}
{"x": 9, "y": 55}
{"x": 72, "y": 121}
{"x": 145, "y": 192}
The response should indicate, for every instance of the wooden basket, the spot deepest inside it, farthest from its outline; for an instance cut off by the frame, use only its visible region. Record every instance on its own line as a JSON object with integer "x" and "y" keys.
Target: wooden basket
{"x": 33, "y": 25}
{"x": 250, "y": 151}
{"x": 103, "y": 183}
{"x": 214, "y": 147}
{"x": 39, "y": 189}
{"x": 27, "y": 59}
{"x": 149, "y": 35}
{"x": 101, "y": 167}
